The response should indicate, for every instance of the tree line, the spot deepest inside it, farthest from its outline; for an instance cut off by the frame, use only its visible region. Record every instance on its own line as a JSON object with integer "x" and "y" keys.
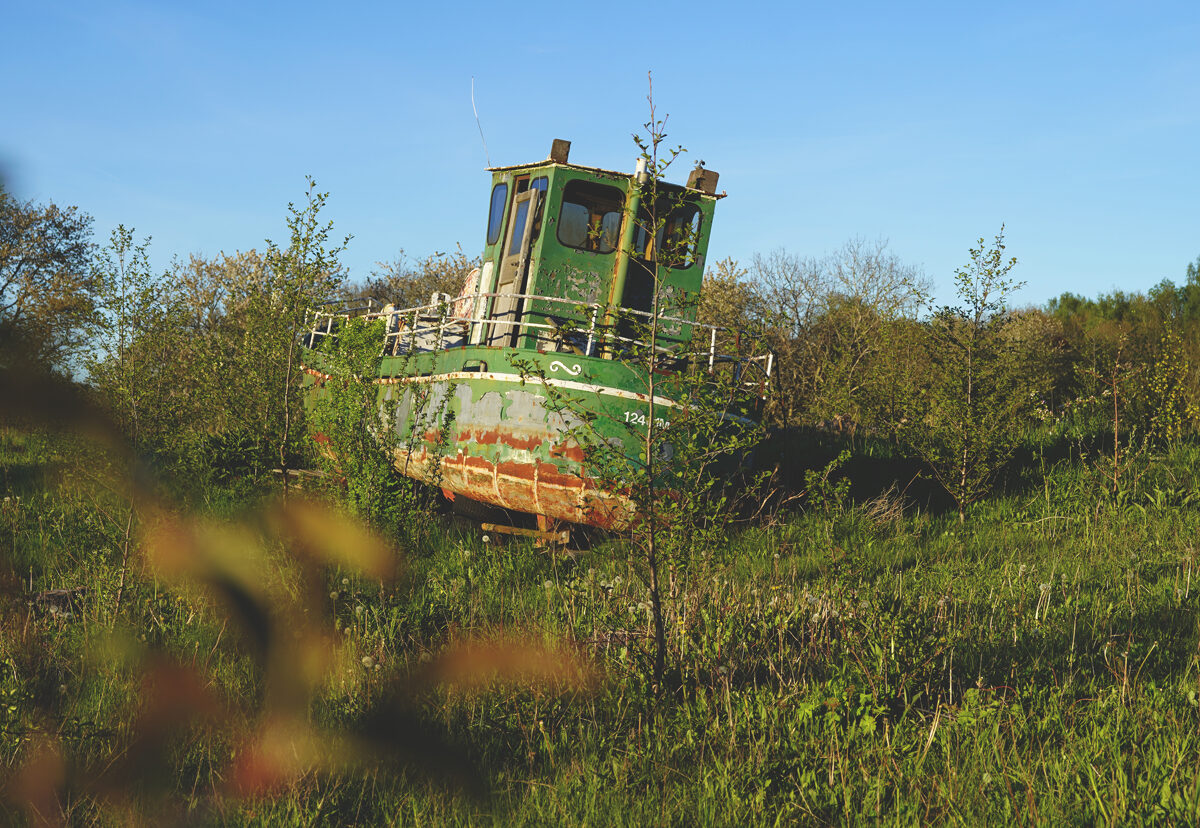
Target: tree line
{"x": 199, "y": 365}
{"x": 862, "y": 349}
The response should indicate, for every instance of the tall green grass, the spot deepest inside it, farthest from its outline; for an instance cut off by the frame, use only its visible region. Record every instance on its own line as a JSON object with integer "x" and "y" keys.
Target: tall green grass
{"x": 1038, "y": 665}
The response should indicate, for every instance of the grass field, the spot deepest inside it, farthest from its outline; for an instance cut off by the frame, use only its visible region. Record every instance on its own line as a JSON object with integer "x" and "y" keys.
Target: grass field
{"x": 1037, "y": 665}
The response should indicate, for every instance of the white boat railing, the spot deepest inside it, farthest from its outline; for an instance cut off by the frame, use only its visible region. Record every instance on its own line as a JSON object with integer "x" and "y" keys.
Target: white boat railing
{"x": 585, "y": 329}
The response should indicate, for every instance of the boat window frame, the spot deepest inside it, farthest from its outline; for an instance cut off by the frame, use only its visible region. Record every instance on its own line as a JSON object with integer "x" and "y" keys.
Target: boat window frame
{"x": 542, "y": 184}
{"x": 597, "y": 236}
{"x": 696, "y": 219}
{"x": 497, "y": 212}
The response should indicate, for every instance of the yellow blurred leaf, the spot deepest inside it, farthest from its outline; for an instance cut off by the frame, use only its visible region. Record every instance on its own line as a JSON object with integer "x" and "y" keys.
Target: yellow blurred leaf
{"x": 323, "y": 535}
{"x": 475, "y": 665}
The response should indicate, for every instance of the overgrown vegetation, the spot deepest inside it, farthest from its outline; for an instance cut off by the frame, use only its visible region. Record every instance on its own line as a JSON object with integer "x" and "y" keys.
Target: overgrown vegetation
{"x": 967, "y": 595}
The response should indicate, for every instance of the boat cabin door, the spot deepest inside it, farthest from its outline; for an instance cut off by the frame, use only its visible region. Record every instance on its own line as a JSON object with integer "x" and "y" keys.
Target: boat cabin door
{"x": 514, "y": 268}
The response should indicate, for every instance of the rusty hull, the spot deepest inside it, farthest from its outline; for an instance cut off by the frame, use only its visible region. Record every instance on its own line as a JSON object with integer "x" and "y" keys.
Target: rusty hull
{"x": 499, "y": 443}
{"x": 532, "y": 488}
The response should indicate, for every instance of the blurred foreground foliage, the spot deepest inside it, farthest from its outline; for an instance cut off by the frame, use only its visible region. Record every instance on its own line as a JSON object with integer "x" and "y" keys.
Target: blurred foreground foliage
{"x": 228, "y": 658}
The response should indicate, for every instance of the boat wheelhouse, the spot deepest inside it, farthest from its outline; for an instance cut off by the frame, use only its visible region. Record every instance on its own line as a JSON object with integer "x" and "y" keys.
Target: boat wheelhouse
{"x": 495, "y": 394}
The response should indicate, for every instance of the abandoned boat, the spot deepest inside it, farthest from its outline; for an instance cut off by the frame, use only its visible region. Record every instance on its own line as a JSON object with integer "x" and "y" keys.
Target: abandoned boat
{"x": 584, "y": 274}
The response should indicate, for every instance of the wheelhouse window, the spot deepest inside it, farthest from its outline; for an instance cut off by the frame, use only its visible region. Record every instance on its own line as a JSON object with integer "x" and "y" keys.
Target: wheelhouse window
{"x": 590, "y": 218}
{"x": 541, "y": 184}
{"x": 520, "y": 215}
{"x": 496, "y": 212}
{"x": 675, "y": 242}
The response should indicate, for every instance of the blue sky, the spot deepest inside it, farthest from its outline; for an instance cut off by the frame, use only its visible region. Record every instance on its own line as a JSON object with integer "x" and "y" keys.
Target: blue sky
{"x": 927, "y": 124}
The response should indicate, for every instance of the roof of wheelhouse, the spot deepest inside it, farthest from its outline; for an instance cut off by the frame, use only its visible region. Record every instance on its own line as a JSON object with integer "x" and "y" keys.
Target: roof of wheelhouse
{"x": 558, "y": 158}
{"x": 550, "y": 163}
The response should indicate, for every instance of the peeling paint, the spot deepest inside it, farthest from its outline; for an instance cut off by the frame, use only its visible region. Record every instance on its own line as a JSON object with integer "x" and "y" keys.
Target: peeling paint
{"x": 503, "y": 444}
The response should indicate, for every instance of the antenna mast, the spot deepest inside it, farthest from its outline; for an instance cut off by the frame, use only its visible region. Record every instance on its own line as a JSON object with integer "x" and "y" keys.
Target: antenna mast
{"x": 478, "y": 124}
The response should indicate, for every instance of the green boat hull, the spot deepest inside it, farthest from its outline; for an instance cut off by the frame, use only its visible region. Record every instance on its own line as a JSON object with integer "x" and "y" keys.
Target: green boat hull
{"x": 518, "y": 429}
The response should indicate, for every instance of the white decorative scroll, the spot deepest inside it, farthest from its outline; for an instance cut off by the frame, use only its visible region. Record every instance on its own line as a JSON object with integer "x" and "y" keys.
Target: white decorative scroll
{"x": 573, "y": 370}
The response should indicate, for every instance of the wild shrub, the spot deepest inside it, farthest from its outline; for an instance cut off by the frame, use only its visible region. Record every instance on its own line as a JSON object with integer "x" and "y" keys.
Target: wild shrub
{"x": 301, "y": 276}
{"x": 971, "y": 412}
{"x": 358, "y": 433}
{"x": 1172, "y": 397}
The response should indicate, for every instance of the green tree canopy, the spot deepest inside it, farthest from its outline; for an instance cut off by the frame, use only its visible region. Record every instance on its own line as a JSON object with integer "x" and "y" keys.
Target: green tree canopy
{"x": 47, "y": 285}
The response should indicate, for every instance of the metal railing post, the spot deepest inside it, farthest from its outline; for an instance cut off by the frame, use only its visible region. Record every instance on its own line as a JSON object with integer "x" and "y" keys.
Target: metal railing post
{"x": 591, "y": 331}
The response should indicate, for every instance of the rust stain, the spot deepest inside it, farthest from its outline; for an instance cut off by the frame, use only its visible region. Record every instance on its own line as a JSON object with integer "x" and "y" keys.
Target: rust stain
{"x": 549, "y": 474}
{"x": 568, "y": 451}
{"x": 510, "y": 468}
{"x": 528, "y": 443}
{"x": 491, "y": 438}
{"x": 320, "y": 377}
